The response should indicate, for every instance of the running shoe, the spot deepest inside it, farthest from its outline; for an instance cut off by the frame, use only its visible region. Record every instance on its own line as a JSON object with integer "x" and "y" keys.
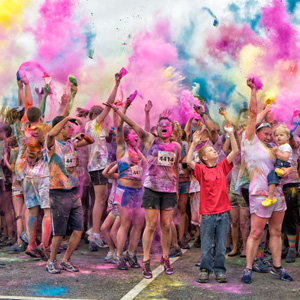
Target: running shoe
{"x": 279, "y": 172}
{"x": 109, "y": 256}
{"x": 146, "y": 270}
{"x": 198, "y": 262}
{"x": 16, "y": 248}
{"x": 24, "y": 237}
{"x": 197, "y": 243}
{"x": 183, "y": 244}
{"x": 68, "y": 266}
{"x": 52, "y": 267}
{"x": 100, "y": 243}
{"x": 8, "y": 242}
{"x": 32, "y": 252}
{"x": 246, "y": 278}
{"x": 43, "y": 252}
{"x": 175, "y": 251}
{"x": 281, "y": 273}
{"x": 132, "y": 260}
{"x": 260, "y": 267}
{"x": 221, "y": 277}
{"x": 291, "y": 256}
{"x": 167, "y": 266}
{"x": 121, "y": 263}
{"x": 203, "y": 276}
{"x": 93, "y": 247}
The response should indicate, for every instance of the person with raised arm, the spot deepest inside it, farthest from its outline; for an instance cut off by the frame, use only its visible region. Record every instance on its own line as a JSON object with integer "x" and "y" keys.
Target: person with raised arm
{"x": 260, "y": 160}
{"x": 214, "y": 204}
{"x": 160, "y": 186}
{"x": 65, "y": 203}
{"x": 98, "y": 161}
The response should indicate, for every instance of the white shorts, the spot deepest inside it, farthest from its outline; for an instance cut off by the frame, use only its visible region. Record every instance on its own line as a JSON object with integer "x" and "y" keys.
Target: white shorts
{"x": 255, "y": 205}
{"x": 36, "y": 192}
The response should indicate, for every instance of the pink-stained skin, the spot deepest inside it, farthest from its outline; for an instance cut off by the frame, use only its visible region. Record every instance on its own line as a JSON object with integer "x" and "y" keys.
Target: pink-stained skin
{"x": 164, "y": 129}
{"x": 257, "y": 82}
{"x": 132, "y": 139}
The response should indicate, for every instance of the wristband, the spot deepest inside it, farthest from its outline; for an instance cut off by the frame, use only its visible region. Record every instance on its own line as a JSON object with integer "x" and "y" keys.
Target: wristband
{"x": 201, "y": 115}
{"x": 116, "y": 109}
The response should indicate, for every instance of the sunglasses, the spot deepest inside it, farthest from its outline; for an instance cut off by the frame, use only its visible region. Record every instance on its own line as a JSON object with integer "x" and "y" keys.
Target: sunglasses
{"x": 164, "y": 124}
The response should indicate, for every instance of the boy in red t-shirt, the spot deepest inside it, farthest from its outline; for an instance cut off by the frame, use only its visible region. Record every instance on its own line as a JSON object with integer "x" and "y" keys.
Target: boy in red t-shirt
{"x": 214, "y": 204}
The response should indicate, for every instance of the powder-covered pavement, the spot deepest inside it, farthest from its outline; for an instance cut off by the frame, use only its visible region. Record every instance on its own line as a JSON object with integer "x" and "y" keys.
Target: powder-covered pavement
{"x": 27, "y": 277}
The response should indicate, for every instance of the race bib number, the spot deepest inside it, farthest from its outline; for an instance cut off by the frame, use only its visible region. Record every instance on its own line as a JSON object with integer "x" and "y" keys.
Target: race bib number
{"x": 137, "y": 172}
{"x": 166, "y": 159}
{"x": 70, "y": 160}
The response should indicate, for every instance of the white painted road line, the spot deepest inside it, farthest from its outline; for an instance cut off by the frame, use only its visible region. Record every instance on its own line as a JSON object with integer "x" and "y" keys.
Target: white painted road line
{"x": 38, "y": 298}
{"x": 155, "y": 273}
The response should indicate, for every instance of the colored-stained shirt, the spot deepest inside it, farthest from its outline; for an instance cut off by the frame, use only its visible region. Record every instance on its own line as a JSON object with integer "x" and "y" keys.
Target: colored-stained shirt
{"x": 213, "y": 182}
{"x": 162, "y": 161}
{"x": 293, "y": 177}
{"x": 259, "y": 160}
{"x": 62, "y": 165}
{"x": 36, "y": 163}
{"x": 98, "y": 154}
{"x": 130, "y": 165}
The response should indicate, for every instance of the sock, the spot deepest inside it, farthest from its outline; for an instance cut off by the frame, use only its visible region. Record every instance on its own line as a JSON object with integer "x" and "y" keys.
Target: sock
{"x": 46, "y": 231}
{"x": 277, "y": 268}
{"x": 292, "y": 240}
{"x": 260, "y": 252}
{"x": 130, "y": 253}
{"x": 97, "y": 235}
{"x": 31, "y": 227}
{"x": 282, "y": 238}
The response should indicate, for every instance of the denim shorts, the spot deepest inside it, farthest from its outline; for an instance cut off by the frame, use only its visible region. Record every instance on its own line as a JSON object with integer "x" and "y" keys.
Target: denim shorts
{"x": 128, "y": 197}
{"x": 159, "y": 200}
{"x": 66, "y": 211}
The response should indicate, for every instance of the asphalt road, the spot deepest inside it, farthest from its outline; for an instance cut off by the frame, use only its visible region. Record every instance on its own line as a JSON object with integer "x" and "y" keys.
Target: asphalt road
{"x": 25, "y": 278}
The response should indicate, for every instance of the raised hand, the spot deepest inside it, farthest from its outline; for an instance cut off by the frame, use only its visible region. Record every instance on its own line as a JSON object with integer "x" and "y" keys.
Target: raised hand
{"x": 111, "y": 105}
{"x": 166, "y": 113}
{"x": 198, "y": 109}
{"x": 148, "y": 106}
{"x": 229, "y": 128}
{"x": 117, "y": 78}
{"x": 197, "y": 137}
{"x": 250, "y": 83}
{"x": 75, "y": 120}
{"x": 222, "y": 111}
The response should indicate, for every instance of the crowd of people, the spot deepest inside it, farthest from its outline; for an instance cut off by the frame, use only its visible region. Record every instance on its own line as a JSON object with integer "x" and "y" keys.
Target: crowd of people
{"x": 231, "y": 187}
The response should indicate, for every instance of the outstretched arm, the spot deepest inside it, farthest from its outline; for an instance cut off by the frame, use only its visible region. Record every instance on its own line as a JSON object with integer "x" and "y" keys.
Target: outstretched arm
{"x": 21, "y": 98}
{"x": 42, "y": 103}
{"x": 28, "y": 102}
{"x": 148, "y": 107}
{"x": 57, "y": 129}
{"x": 250, "y": 130}
{"x": 146, "y": 137}
{"x": 234, "y": 146}
{"x": 120, "y": 136}
{"x": 110, "y": 100}
{"x": 70, "y": 103}
{"x": 223, "y": 112}
{"x": 196, "y": 141}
